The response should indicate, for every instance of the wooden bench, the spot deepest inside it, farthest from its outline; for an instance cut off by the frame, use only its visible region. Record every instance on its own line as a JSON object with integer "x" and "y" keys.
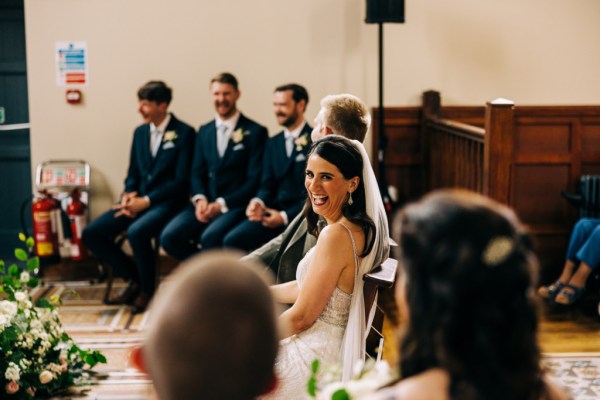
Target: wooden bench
{"x": 380, "y": 278}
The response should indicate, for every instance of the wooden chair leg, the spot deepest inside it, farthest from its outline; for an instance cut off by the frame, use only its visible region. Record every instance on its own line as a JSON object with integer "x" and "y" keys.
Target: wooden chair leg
{"x": 157, "y": 261}
{"x": 108, "y": 270}
{"x": 109, "y": 283}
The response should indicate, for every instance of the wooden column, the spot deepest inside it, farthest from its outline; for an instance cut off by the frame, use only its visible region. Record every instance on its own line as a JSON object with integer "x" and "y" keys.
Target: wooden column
{"x": 498, "y": 153}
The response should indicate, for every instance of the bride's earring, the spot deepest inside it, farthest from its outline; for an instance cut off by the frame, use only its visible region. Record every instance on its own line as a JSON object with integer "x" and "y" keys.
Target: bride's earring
{"x": 350, "y": 201}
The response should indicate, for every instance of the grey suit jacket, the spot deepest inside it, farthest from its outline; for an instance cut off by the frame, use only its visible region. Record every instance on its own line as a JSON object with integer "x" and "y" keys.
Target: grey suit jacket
{"x": 283, "y": 253}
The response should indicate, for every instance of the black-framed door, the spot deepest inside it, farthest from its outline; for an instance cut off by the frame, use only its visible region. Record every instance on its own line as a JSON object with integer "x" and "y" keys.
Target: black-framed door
{"x": 15, "y": 154}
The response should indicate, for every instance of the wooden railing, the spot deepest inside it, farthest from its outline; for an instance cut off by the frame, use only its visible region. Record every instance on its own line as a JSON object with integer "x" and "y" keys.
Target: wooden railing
{"x": 464, "y": 156}
{"x": 454, "y": 156}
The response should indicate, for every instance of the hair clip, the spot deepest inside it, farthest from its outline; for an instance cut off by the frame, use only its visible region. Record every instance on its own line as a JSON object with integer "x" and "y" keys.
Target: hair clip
{"x": 497, "y": 251}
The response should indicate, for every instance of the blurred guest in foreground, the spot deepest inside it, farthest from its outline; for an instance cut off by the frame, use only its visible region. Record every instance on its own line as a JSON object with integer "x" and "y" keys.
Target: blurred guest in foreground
{"x": 213, "y": 332}
{"x": 465, "y": 291}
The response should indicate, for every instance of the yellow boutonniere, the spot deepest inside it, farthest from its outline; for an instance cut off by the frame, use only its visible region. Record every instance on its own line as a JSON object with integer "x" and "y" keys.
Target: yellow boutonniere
{"x": 301, "y": 142}
{"x": 238, "y": 135}
{"x": 169, "y": 136}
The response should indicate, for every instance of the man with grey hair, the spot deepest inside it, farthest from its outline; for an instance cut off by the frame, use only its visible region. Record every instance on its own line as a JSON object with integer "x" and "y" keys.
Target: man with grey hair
{"x": 341, "y": 114}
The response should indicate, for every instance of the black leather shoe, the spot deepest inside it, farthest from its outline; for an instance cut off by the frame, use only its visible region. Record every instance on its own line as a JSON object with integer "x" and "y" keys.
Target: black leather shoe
{"x": 140, "y": 304}
{"x": 574, "y": 199}
{"x": 127, "y": 296}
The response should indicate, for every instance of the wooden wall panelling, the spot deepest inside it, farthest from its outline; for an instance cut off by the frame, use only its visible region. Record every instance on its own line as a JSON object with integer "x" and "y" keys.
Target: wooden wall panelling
{"x": 403, "y": 154}
{"x": 590, "y": 145}
{"x": 548, "y": 142}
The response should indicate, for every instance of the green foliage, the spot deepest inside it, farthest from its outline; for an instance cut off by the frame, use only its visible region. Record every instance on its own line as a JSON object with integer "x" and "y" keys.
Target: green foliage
{"x": 312, "y": 381}
{"x": 37, "y": 357}
{"x": 341, "y": 394}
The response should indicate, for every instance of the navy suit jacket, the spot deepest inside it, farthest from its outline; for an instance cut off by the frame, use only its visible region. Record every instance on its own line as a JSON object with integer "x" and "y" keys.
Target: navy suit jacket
{"x": 282, "y": 183}
{"x": 236, "y": 176}
{"x": 164, "y": 178}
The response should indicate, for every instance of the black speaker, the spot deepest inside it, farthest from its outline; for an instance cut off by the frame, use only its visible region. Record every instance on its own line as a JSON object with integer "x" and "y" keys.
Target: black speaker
{"x": 384, "y": 11}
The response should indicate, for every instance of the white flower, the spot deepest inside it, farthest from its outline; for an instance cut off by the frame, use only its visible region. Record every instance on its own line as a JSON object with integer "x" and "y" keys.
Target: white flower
{"x": 368, "y": 377}
{"x": 170, "y": 136}
{"x": 13, "y": 373}
{"x": 25, "y": 277}
{"x": 20, "y": 296}
{"x": 45, "y": 377}
{"x": 358, "y": 368}
{"x": 36, "y": 324}
{"x": 301, "y": 142}
{"x": 4, "y": 321}
{"x": 238, "y": 135}
{"x": 8, "y": 308}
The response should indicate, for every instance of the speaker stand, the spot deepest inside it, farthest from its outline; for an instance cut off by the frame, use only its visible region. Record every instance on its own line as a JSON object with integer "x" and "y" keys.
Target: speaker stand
{"x": 383, "y": 141}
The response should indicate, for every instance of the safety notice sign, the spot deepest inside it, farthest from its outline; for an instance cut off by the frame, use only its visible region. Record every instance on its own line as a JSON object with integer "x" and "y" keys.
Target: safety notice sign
{"x": 71, "y": 64}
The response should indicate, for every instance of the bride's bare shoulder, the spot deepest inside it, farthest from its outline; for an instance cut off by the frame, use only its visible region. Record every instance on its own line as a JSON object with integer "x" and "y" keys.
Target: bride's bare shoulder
{"x": 429, "y": 385}
{"x": 336, "y": 231}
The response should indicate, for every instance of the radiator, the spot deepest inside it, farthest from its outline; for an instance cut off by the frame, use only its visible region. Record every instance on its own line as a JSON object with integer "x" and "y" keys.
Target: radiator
{"x": 589, "y": 189}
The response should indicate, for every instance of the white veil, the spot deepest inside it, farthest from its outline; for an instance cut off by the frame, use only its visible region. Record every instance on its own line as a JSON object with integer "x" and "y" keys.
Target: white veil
{"x": 353, "y": 345}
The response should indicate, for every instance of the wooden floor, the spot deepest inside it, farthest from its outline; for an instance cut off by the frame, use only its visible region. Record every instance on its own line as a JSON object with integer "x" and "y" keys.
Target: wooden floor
{"x": 571, "y": 329}
{"x": 561, "y": 330}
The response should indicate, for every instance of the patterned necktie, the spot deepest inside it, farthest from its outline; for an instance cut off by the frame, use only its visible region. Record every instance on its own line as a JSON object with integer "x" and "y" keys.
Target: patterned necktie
{"x": 222, "y": 139}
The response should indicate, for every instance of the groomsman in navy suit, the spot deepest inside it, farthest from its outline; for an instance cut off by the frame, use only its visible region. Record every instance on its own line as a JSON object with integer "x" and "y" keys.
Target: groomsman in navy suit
{"x": 226, "y": 172}
{"x": 156, "y": 188}
{"x": 282, "y": 194}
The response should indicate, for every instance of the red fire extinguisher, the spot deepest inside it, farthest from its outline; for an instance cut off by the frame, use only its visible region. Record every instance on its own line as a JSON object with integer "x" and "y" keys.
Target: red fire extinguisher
{"x": 46, "y": 216}
{"x": 76, "y": 212}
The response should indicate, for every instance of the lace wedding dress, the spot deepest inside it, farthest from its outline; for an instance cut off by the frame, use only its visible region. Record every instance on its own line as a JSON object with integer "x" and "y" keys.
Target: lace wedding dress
{"x": 323, "y": 340}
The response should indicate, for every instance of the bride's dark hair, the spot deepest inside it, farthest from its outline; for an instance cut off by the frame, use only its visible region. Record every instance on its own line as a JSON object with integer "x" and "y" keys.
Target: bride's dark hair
{"x": 469, "y": 272}
{"x": 340, "y": 152}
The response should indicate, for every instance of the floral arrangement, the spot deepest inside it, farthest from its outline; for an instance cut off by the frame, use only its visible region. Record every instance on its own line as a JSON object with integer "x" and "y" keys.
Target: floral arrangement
{"x": 368, "y": 377}
{"x": 37, "y": 357}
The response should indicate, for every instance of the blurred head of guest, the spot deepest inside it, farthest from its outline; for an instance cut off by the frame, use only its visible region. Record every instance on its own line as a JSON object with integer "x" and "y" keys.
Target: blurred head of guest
{"x": 213, "y": 332}
{"x": 465, "y": 292}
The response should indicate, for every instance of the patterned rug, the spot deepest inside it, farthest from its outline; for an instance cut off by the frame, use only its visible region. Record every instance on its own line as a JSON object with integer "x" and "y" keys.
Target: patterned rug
{"x": 113, "y": 330}
{"x": 579, "y": 373}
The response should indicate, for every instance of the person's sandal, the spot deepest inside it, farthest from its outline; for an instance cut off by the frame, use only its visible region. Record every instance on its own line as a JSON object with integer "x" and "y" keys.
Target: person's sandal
{"x": 573, "y": 297}
{"x": 549, "y": 292}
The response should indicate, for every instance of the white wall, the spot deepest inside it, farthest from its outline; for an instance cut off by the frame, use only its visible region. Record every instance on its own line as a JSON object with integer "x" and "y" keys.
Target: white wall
{"x": 531, "y": 51}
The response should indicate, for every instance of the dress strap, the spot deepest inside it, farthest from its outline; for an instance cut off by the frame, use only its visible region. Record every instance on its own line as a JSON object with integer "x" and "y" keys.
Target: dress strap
{"x": 353, "y": 248}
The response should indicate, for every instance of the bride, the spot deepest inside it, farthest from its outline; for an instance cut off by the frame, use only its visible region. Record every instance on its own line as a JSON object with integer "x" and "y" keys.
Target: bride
{"x": 327, "y": 318}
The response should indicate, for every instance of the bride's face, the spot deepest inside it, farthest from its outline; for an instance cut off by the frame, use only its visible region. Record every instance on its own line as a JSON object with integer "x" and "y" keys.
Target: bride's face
{"x": 327, "y": 188}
